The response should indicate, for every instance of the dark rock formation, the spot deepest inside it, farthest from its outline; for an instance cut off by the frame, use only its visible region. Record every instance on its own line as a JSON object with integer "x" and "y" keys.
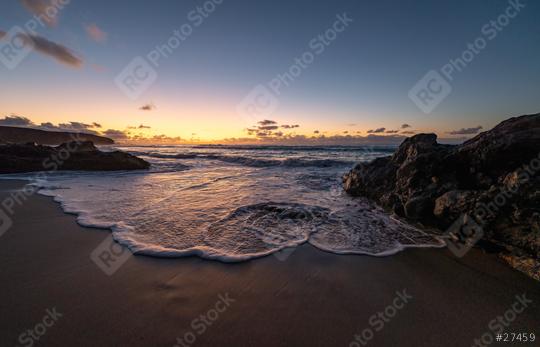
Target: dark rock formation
{"x": 15, "y": 158}
{"x": 42, "y": 137}
{"x": 493, "y": 177}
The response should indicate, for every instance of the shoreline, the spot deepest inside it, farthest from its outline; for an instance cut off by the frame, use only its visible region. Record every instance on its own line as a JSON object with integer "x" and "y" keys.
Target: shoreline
{"x": 166, "y": 253}
{"x": 309, "y": 297}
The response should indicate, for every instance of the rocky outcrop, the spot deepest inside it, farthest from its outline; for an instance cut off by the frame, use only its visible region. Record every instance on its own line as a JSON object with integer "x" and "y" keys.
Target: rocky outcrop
{"x": 42, "y": 137}
{"x": 493, "y": 177}
{"x": 84, "y": 156}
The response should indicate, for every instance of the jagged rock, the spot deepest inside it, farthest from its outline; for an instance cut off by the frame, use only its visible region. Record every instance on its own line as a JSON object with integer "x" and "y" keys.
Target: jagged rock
{"x": 15, "y": 158}
{"x": 493, "y": 177}
{"x": 449, "y": 206}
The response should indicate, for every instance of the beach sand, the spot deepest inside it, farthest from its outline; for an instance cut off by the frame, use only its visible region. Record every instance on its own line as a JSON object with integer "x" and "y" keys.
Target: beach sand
{"x": 305, "y": 298}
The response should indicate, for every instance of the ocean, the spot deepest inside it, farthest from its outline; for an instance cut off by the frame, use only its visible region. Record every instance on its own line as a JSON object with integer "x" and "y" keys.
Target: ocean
{"x": 234, "y": 203}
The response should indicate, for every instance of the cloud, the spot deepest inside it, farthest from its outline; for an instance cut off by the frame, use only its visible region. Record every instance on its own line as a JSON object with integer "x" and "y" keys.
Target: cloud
{"x": 61, "y": 53}
{"x": 148, "y": 107}
{"x": 316, "y": 132}
{"x": 286, "y": 126}
{"x": 351, "y": 124}
{"x": 408, "y": 132}
{"x": 319, "y": 140}
{"x": 405, "y": 126}
{"x": 47, "y": 10}
{"x": 392, "y": 131}
{"x": 116, "y": 134}
{"x": 466, "y": 131}
{"x": 345, "y": 132}
{"x": 164, "y": 139}
{"x": 76, "y": 125}
{"x": 79, "y": 127}
{"x": 2, "y": 34}
{"x": 71, "y": 126}
{"x": 376, "y": 131}
{"x": 139, "y": 127}
{"x": 269, "y": 127}
{"x": 95, "y": 33}
{"x": 16, "y": 121}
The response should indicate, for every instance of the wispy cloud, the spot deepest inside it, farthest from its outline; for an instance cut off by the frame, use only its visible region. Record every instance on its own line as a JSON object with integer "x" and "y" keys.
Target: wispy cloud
{"x": 405, "y": 126}
{"x": 142, "y": 126}
{"x": 392, "y": 131}
{"x": 156, "y": 139}
{"x": 95, "y": 33}
{"x": 47, "y": 10}
{"x": 376, "y": 131}
{"x": 70, "y": 126}
{"x": 148, "y": 107}
{"x": 287, "y": 126}
{"x": 267, "y": 122}
{"x": 116, "y": 134}
{"x": 466, "y": 131}
{"x": 269, "y": 127}
{"x": 408, "y": 132}
{"x": 19, "y": 121}
{"x": 16, "y": 121}
{"x": 54, "y": 50}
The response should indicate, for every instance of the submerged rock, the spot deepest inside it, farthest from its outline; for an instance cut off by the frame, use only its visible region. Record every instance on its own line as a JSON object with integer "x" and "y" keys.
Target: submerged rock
{"x": 16, "y": 158}
{"x": 493, "y": 177}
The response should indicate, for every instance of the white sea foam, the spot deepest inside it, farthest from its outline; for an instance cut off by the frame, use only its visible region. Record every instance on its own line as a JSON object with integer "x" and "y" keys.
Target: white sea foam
{"x": 233, "y": 210}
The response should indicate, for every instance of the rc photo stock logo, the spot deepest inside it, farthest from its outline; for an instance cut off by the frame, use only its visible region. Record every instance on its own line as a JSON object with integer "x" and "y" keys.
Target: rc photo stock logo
{"x": 136, "y": 78}
{"x": 259, "y": 103}
{"x": 140, "y": 74}
{"x": 14, "y": 47}
{"x": 435, "y": 86}
{"x": 275, "y": 239}
{"x": 262, "y": 101}
{"x": 5, "y": 222}
{"x": 462, "y": 235}
{"x": 430, "y": 91}
{"x": 109, "y": 256}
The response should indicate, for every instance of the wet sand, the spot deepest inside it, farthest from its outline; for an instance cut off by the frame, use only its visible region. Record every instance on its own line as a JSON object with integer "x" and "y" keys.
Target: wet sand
{"x": 301, "y": 298}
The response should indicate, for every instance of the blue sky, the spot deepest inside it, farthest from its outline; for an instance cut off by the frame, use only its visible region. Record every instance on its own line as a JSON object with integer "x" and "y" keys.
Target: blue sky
{"x": 363, "y": 76}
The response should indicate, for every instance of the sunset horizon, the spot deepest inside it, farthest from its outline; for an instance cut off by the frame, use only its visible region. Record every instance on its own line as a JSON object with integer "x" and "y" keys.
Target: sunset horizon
{"x": 190, "y": 94}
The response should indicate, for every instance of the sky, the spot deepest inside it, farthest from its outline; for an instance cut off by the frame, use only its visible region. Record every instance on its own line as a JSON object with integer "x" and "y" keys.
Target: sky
{"x": 250, "y": 70}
